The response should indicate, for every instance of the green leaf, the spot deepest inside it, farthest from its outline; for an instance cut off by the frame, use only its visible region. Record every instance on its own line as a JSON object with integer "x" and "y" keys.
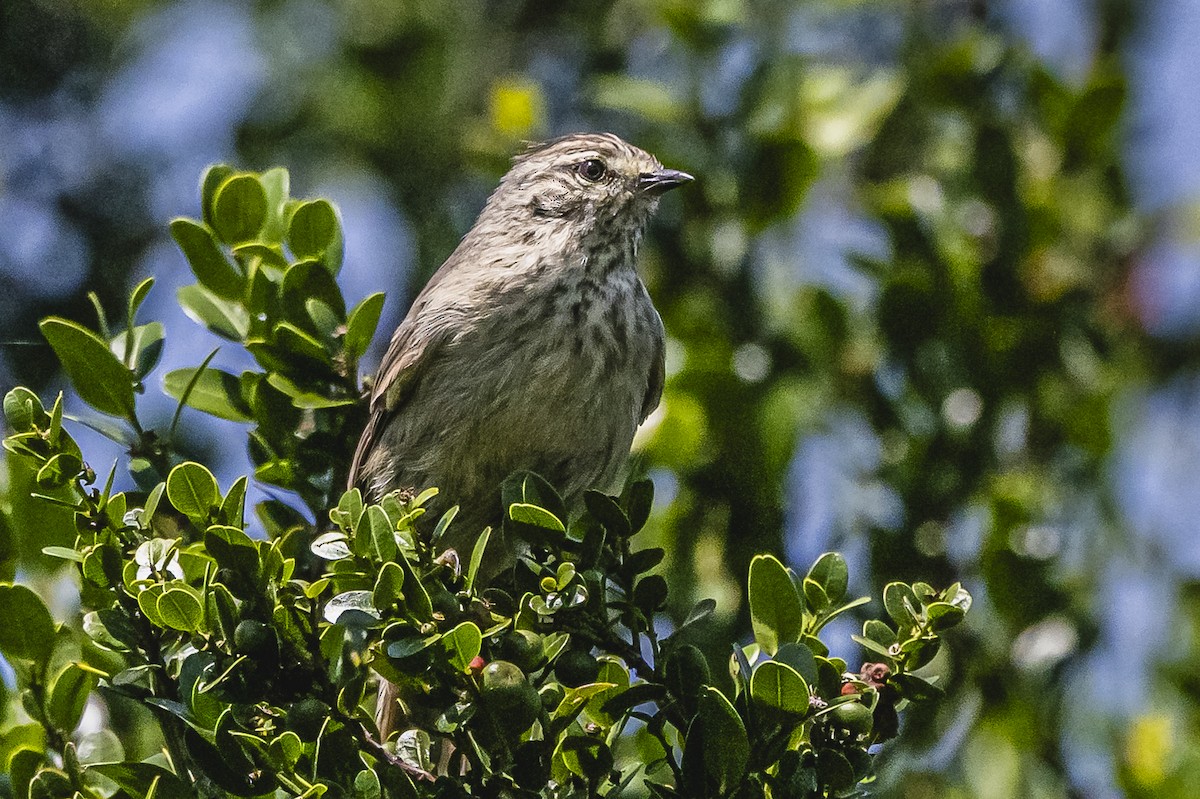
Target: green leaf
{"x": 538, "y": 517}
{"x": 779, "y": 686}
{"x": 26, "y": 629}
{"x": 878, "y": 631}
{"x": 113, "y": 431}
{"x": 186, "y": 394}
{"x": 639, "y": 502}
{"x": 308, "y": 400}
{"x": 100, "y": 379}
{"x": 388, "y": 586}
{"x": 139, "y": 348}
{"x": 872, "y": 645}
{"x": 137, "y": 779}
{"x": 147, "y": 600}
{"x": 232, "y": 548}
{"x": 24, "y": 412}
{"x": 308, "y": 280}
{"x": 717, "y": 750}
{"x": 349, "y": 601}
{"x": 776, "y": 613}
{"x": 348, "y": 511}
{"x": 411, "y": 645}
{"x": 239, "y": 209}
{"x": 314, "y": 232}
{"x": 416, "y": 597}
{"x": 59, "y": 470}
{"x": 136, "y": 298}
{"x": 193, "y": 490}
{"x": 269, "y": 256}
{"x": 213, "y": 177}
{"x": 216, "y": 393}
{"x": 226, "y": 763}
{"x": 327, "y": 322}
{"x": 532, "y": 489}
{"x": 66, "y": 553}
{"x": 179, "y": 608}
{"x": 277, "y": 185}
{"x": 68, "y": 695}
{"x": 360, "y": 329}
{"x": 443, "y": 525}
{"x": 814, "y": 596}
{"x": 800, "y": 658}
{"x": 901, "y": 604}
{"x": 463, "y": 645}
{"x": 24, "y": 762}
{"x": 831, "y": 574}
{"x": 605, "y": 510}
{"x": 100, "y": 746}
{"x": 374, "y": 537}
{"x": 222, "y": 317}
{"x": 101, "y": 316}
{"x": 915, "y": 688}
{"x": 367, "y": 786}
{"x": 210, "y": 266}
{"x": 331, "y": 546}
{"x": 286, "y": 750}
{"x": 943, "y": 615}
{"x": 50, "y": 783}
{"x": 575, "y": 699}
{"x": 650, "y": 594}
{"x": 687, "y": 673}
{"x": 477, "y": 557}
{"x": 834, "y": 770}
{"x": 233, "y": 506}
{"x": 294, "y": 341}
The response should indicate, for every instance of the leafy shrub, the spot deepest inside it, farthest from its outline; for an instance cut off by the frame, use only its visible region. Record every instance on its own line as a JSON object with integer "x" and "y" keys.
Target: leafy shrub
{"x": 258, "y": 656}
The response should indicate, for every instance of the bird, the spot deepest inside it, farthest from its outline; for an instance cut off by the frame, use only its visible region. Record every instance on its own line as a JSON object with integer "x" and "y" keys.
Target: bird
{"x": 534, "y": 347}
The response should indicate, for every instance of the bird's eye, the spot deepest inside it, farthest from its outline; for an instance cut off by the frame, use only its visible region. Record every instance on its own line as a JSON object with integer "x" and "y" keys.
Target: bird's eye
{"x": 592, "y": 169}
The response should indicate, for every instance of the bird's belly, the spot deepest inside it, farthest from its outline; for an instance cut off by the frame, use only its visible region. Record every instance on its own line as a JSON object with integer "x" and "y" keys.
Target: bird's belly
{"x": 561, "y": 401}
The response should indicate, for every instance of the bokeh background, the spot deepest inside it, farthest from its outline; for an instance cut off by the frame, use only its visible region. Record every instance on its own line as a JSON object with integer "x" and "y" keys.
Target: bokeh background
{"x": 934, "y": 300}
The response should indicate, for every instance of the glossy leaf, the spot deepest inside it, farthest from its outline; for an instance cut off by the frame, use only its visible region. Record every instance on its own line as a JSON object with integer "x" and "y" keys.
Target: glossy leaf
{"x": 349, "y": 601}
{"x": 23, "y": 410}
{"x": 313, "y": 229}
{"x": 222, "y": 317}
{"x": 180, "y": 609}
{"x": 26, "y": 629}
{"x": 717, "y": 751}
{"x": 462, "y": 645}
{"x": 139, "y": 348}
{"x": 239, "y": 209}
{"x": 776, "y": 612}
{"x": 138, "y": 779}
{"x": 535, "y": 516}
{"x": 210, "y": 266}
{"x": 779, "y": 686}
{"x": 360, "y": 328}
{"x": 215, "y": 392}
{"x": 831, "y": 574}
{"x": 98, "y": 377}
{"x": 193, "y": 490}
{"x": 68, "y": 694}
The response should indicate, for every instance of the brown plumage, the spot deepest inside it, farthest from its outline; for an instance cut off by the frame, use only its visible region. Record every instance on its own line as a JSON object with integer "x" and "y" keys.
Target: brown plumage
{"x": 534, "y": 346}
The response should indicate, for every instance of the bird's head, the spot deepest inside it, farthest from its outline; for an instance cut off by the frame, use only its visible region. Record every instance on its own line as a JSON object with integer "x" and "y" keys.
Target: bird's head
{"x": 593, "y": 182}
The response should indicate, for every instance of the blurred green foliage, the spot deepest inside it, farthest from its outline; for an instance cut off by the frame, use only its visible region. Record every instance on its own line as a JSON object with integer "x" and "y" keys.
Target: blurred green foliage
{"x": 987, "y": 356}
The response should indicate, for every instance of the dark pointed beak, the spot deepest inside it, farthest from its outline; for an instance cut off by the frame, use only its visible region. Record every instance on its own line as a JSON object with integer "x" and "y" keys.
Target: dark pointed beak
{"x": 662, "y": 180}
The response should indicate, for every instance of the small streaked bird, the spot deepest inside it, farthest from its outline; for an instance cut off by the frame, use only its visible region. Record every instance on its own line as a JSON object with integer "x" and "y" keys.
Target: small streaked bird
{"x": 534, "y": 347}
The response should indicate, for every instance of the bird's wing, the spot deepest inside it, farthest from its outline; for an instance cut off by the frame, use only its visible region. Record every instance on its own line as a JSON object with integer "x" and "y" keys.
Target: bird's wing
{"x": 417, "y": 337}
{"x": 658, "y": 372}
